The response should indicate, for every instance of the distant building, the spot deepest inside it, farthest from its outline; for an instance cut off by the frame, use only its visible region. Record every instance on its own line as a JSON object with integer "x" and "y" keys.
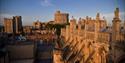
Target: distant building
{"x": 18, "y": 24}
{"x": 13, "y": 25}
{"x": 37, "y": 25}
{"x": 61, "y": 18}
{"x": 8, "y": 25}
{"x": 27, "y": 29}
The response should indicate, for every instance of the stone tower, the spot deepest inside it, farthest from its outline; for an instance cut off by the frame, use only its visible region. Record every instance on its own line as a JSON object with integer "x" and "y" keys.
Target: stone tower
{"x": 79, "y": 26}
{"x": 97, "y": 26}
{"x": 8, "y": 25}
{"x": 116, "y": 25}
{"x": 61, "y": 18}
{"x": 17, "y": 24}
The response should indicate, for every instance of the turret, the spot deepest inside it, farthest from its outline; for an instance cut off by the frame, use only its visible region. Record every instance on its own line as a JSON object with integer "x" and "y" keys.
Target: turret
{"x": 79, "y": 25}
{"x": 72, "y": 24}
{"x": 116, "y": 25}
{"x": 98, "y": 16}
{"x": 97, "y": 24}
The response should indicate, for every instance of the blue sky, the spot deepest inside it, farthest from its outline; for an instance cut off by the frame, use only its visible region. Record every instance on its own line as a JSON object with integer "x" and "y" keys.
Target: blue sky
{"x": 43, "y": 10}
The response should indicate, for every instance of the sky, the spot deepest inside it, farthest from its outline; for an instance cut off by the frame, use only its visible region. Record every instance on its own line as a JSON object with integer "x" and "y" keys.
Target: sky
{"x": 43, "y": 10}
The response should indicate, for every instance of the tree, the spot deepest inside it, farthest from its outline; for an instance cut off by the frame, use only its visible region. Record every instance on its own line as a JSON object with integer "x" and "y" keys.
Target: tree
{"x": 57, "y": 27}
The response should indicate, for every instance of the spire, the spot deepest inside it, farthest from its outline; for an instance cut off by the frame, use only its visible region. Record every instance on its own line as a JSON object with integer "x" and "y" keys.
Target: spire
{"x": 116, "y": 13}
{"x": 104, "y": 17}
{"x": 58, "y": 12}
{"x": 97, "y": 16}
{"x": 37, "y": 20}
{"x": 72, "y": 18}
{"x": 80, "y": 19}
{"x": 87, "y": 17}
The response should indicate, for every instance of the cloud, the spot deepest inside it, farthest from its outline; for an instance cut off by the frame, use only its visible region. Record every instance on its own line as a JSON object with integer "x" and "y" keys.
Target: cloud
{"x": 46, "y": 3}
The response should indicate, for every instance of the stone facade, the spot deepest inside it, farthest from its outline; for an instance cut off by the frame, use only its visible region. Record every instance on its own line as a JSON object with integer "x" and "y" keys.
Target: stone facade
{"x": 86, "y": 40}
{"x": 90, "y": 39}
{"x": 8, "y": 25}
{"x": 18, "y": 24}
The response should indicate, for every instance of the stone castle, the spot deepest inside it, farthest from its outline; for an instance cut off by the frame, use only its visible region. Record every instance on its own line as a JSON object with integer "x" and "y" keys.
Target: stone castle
{"x": 91, "y": 40}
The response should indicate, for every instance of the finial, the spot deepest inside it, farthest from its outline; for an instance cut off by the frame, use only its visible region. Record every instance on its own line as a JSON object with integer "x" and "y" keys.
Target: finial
{"x": 80, "y": 19}
{"x": 37, "y": 20}
{"x": 58, "y": 11}
{"x": 72, "y": 17}
{"x": 98, "y": 16}
{"x": 116, "y": 13}
{"x": 104, "y": 17}
{"x": 87, "y": 17}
